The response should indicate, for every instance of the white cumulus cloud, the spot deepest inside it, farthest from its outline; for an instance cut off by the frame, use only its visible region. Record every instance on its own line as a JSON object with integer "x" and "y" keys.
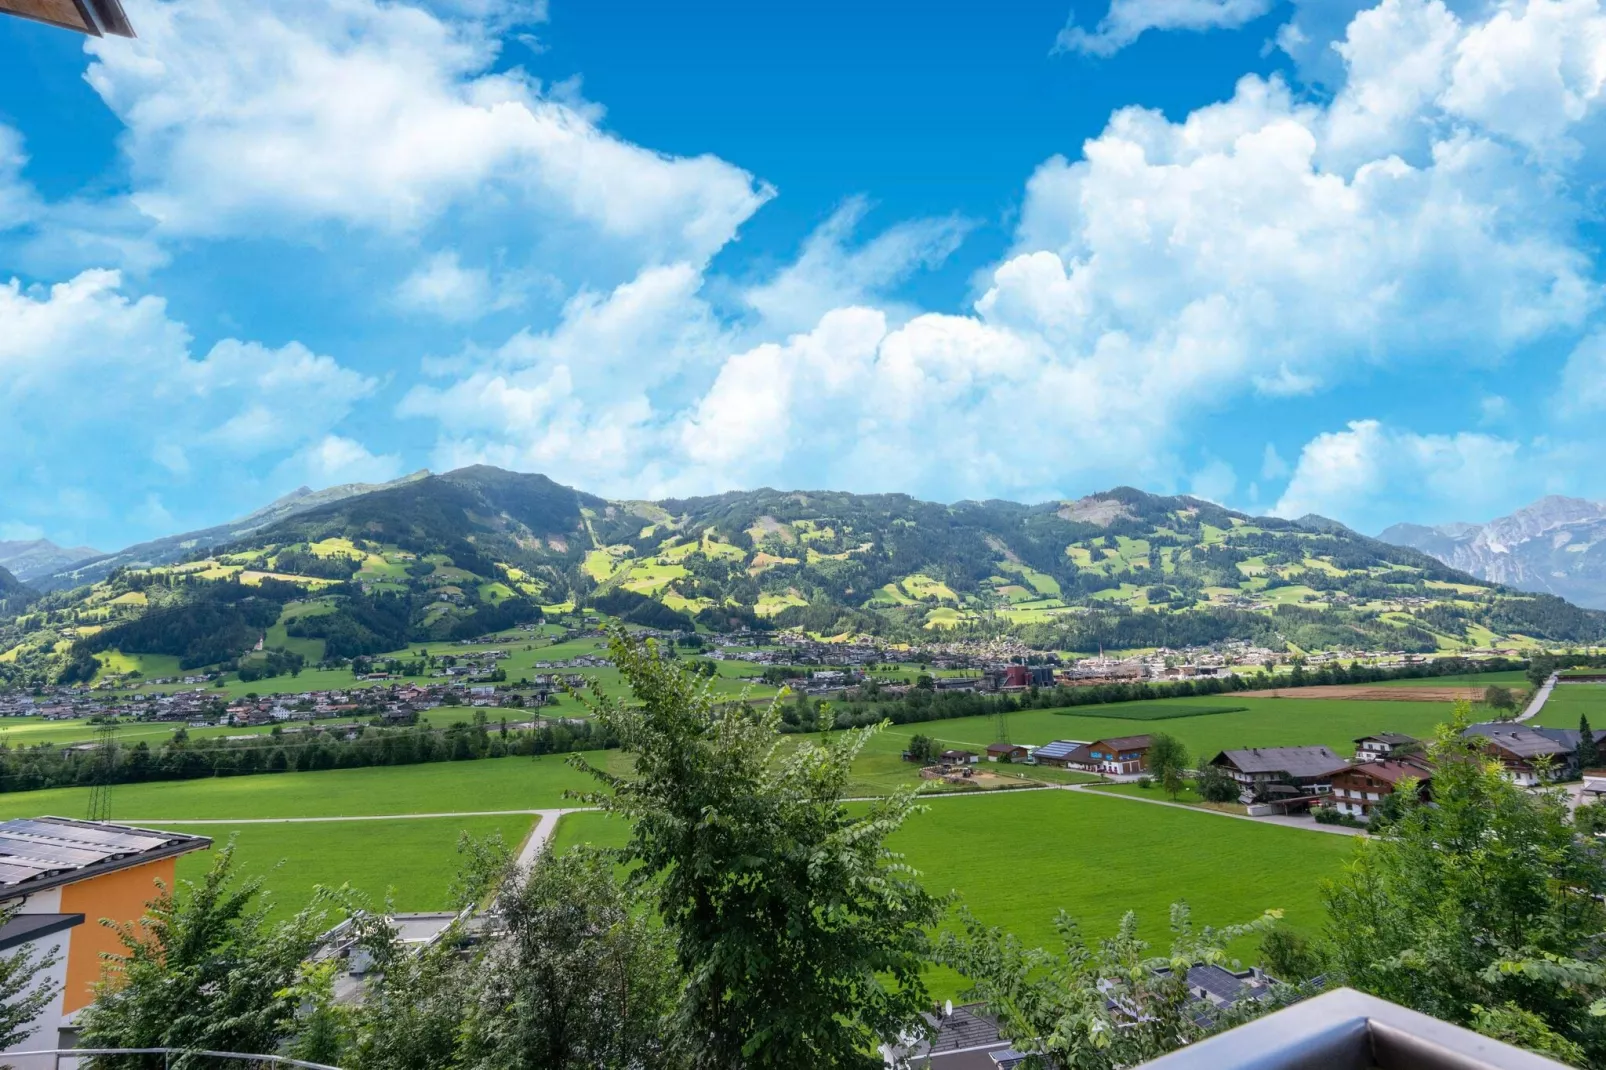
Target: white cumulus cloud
{"x": 93, "y": 381}
{"x": 1127, "y": 20}
{"x": 1366, "y": 474}
{"x": 385, "y": 116}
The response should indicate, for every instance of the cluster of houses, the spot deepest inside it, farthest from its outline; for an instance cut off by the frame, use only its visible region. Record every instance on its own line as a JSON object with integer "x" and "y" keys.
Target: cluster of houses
{"x": 397, "y": 703}
{"x": 1297, "y": 779}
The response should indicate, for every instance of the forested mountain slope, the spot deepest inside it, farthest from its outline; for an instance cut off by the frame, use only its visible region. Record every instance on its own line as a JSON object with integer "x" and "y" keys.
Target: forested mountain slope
{"x": 480, "y": 549}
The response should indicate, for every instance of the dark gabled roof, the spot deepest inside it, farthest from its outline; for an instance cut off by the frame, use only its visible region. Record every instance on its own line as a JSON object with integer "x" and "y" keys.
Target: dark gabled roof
{"x": 967, "y": 1027}
{"x": 1000, "y": 748}
{"x": 47, "y": 852}
{"x": 1569, "y": 737}
{"x": 1295, "y": 761}
{"x": 1393, "y": 739}
{"x": 1523, "y": 742}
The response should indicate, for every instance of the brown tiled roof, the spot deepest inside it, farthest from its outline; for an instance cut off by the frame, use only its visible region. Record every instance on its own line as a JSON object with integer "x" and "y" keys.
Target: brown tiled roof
{"x": 1391, "y": 772}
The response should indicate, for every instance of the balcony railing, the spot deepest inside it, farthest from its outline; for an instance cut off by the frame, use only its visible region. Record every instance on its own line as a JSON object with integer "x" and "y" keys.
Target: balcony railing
{"x": 1347, "y": 1030}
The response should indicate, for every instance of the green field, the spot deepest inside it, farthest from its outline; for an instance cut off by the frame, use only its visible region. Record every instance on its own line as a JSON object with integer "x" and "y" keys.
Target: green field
{"x": 1273, "y": 722}
{"x": 1568, "y": 702}
{"x": 438, "y": 787}
{"x": 1017, "y": 858}
{"x": 410, "y": 862}
{"x": 1156, "y": 711}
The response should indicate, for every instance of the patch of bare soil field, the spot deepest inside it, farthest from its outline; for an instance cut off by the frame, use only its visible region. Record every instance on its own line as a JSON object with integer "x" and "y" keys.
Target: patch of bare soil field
{"x": 1370, "y": 694}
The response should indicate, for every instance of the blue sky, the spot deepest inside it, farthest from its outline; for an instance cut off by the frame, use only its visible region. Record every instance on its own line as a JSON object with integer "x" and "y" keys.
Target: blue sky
{"x": 1314, "y": 256}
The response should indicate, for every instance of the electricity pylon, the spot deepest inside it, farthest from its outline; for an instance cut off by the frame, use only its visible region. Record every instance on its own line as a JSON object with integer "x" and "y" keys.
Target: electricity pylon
{"x": 100, "y": 792}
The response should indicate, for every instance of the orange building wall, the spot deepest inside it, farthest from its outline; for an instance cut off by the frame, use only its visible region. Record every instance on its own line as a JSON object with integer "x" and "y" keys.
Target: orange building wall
{"x": 120, "y": 896}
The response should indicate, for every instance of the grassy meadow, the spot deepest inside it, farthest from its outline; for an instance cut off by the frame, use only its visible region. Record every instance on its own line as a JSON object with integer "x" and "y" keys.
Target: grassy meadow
{"x": 1017, "y": 858}
{"x": 1568, "y": 702}
{"x": 408, "y": 862}
{"x": 439, "y": 787}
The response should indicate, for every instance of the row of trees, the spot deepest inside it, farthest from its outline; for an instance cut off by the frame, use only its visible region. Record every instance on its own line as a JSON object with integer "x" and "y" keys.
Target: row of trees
{"x": 761, "y": 921}
{"x": 183, "y": 758}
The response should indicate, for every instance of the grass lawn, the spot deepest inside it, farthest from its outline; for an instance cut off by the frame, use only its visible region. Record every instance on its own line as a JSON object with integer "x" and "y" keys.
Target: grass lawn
{"x": 1162, "y": 711}
{"x": 1568, "y": 702}
{"x": 411, "y": 862}
{"x": 1275, "y": 722}
{"x": 1017, "y": 858}
{"x": 439, "y": 787}
{"x": 1188, "y": 795}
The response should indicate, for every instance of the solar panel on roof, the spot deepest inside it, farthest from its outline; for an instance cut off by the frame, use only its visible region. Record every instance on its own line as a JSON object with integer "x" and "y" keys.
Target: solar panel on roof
{"x": 52, "y": 852}
{"x": 10, "y": 874}
{"x": 83, "y": 834}
{"x": 1216, "y": 981}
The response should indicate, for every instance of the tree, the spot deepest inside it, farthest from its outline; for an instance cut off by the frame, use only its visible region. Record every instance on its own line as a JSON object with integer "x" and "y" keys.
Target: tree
{"x": 1588, "y": 749}
{"x": 801, "y": 937}
{"x": 24, "y": 994}
{"x": 583, "y": 978}
{"x": 1168, "y": 761}
{"x": 922, "y": 749}
{"x": 1214, "y": 785}
{"x": 204, "y": 968}
{"x": 1287, "y": 955}
{"x": 1499, "y": 698}
{"x": 1485, "y": 899}
{"x": 1590, "y": 819}
{"x": 1102, "y": 1004}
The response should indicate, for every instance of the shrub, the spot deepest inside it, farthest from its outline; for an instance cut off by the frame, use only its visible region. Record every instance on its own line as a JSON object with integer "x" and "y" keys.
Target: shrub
{"x": 1145, "y": 782}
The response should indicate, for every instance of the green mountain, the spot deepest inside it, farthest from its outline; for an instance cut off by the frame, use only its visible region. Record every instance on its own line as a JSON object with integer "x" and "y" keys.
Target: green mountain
{"x": 15, "y": 596}
{"x": 92, "y": 566}
{"x": 439, "y": 557}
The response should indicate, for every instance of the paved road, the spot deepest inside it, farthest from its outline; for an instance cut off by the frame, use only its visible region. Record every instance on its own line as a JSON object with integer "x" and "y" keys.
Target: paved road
{"x": 1540, "y": 698}
{"x": 541, "y": 835}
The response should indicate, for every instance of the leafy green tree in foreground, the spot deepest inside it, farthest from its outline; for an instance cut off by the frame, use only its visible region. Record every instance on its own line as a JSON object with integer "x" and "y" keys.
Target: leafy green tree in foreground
{"x": 801, "y": 937}
{"x": 1098, "y": 1005}
{"x": 203, "y": 968}
{"x": 577, "y": 978}
{"x": 1168, "y": 761}
{"x": 582, "y": 980}
{"x": 1481, "y": 909}
{"x": 23, "y": 993}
